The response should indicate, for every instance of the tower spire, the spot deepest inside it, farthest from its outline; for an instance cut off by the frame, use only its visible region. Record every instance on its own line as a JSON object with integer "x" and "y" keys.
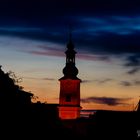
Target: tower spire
{"x": 70, "y": 70}
{"x": 70, "y": 33}
{"x": 70, "y": 43}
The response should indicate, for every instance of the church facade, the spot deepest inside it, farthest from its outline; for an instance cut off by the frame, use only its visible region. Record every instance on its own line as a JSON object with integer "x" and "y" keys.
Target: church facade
{"x": 69, "y": 98}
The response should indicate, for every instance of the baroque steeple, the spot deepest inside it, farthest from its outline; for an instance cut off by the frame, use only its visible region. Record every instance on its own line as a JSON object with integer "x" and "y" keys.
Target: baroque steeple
{"x": 70, "y": 71}
{"x": 69, "y": 98}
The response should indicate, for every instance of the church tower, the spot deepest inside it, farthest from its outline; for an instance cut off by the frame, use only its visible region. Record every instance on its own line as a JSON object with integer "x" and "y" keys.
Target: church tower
{"x": 69, "y": 99}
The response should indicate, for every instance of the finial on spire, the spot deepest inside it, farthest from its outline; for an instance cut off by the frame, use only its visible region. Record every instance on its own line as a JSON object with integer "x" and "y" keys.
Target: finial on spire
{"x": 70, "y": 34}
{"x": 70, "y": 43}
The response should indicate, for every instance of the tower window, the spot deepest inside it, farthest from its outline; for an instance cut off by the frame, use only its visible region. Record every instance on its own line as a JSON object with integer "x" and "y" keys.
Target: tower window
{"x": 68, "y": 98}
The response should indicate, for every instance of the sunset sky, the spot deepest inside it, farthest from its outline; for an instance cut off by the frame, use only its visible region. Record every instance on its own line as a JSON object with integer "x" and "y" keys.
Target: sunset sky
{"x": 106, "y": 35}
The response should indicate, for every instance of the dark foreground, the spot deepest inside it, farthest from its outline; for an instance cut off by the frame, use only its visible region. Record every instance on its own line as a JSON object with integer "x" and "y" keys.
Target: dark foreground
{"x": 41, "y": 124}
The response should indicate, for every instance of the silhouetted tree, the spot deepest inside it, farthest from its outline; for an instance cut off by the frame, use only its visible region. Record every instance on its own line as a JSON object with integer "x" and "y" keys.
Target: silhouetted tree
{"x": 20, "y": 114}
{"x": 10, "y": 92}
{"x": 15, "y": 79}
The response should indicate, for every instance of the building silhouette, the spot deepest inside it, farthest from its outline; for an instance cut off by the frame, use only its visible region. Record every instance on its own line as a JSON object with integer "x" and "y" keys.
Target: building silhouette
{"x": 69, "y": 99}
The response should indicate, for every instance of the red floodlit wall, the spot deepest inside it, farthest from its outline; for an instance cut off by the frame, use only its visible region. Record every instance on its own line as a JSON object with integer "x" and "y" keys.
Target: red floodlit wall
{"x": 71, "y": 88}
{"x": 69, "y": 99}
{"x": 69, "y": 112}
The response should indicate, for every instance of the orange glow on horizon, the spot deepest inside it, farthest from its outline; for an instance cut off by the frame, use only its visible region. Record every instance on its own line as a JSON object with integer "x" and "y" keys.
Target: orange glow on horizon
{"x": 52, "y": 96}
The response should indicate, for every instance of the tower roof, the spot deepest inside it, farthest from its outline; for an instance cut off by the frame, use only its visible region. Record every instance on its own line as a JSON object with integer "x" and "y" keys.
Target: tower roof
{"x": 70, "y": 71}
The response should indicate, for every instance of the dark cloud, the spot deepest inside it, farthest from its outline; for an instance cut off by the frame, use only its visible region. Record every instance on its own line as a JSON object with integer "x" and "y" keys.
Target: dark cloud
{"x": 47, "y": 53}
{"x": 105, "y": 100}
{"x": 133, "y": 70}
{"x": 130, "y": 83}
{"x": 133, "y": 62}
{"x": 102, "y": 81}
{"x": 126, "y": 83}
{"x": 93, "y": 57}
{"x": 87, "y": 81}
{"x": 48, "y": 79}
{"x": 137, "y": 82}
{"x": 106, "y": 39}
{"x": 56, "y": 50}
{"x": 48, "y": 50}
{"x": 98, "y": 81}
{"x": 33, "y": 33}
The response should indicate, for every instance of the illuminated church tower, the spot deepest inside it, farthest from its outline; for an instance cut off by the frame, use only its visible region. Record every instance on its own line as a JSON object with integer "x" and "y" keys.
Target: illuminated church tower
{"x": 69, "y": 99}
